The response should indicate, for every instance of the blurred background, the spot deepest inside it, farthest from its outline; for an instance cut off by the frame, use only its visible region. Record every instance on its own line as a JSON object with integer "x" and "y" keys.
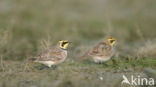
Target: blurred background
{"x": 26, "y": 23}
{"x": 27, "y": 27}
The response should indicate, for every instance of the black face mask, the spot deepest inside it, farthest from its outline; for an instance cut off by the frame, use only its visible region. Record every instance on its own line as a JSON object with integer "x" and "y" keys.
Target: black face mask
{"x": 112, "y": 41}
{"x": 64, "y": 43}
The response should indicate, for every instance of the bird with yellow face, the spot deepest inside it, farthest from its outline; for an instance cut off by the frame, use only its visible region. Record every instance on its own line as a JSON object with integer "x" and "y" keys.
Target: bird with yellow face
{"x": 53, "y": 55}
{"x": 103, "y": 51}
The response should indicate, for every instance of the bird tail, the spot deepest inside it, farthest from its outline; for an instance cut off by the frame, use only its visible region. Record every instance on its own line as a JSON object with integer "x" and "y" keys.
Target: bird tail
{"x": 84, "y": 56}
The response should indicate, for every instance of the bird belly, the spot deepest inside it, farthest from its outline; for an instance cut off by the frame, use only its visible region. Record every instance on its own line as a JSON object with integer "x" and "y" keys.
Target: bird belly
{"x": 48, "y": 63}
{"x": 101, "y": 59}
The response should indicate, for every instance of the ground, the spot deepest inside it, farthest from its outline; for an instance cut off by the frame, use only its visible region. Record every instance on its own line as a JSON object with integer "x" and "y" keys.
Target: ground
{"x": 73, "y": 74}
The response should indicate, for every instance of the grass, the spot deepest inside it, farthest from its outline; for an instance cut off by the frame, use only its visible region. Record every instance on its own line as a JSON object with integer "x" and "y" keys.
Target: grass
{"x": 28, "y": 27}
{"x": 67, "y": 74}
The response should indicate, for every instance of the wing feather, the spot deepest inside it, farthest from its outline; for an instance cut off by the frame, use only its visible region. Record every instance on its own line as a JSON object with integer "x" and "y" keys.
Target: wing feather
{"x": 101, "y": 49}
{"x": 52, "y": 54}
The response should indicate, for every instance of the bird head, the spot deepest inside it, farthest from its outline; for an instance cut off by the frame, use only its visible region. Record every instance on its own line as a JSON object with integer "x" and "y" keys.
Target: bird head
{"x": 111, "y": 41}
{"x": 63, "y": 44}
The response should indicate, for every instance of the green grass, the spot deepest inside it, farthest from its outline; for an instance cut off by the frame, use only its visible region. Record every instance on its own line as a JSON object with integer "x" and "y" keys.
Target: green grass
{"x": 69, "y": 74}
{"x": 28, "y": 27}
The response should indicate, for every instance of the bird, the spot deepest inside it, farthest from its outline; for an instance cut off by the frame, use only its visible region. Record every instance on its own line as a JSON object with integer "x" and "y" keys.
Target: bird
{"x": 102, "y": 51}
{"x": 54, "y": 55}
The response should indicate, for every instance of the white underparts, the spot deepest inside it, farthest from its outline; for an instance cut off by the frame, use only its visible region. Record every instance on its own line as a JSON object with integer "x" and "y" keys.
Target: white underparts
{"x": 48, "y": 63}
{"x": 99, "y": 59}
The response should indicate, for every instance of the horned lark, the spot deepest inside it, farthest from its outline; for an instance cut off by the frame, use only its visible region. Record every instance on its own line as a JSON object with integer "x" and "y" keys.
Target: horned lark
{"x": 103, "y": 51}
{"x": 54, "y": 55}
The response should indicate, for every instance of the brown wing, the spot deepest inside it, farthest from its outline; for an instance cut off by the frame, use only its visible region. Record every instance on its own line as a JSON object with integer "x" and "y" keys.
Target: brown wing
{"x": 52, "y": 54}
{"x": 101, "y": 49}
